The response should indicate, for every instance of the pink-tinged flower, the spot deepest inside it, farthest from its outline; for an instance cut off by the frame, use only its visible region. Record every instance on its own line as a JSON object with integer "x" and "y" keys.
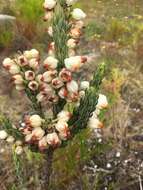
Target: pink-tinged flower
{"x": 63, "y": 93}
{"x": 84, "y": 85}
{"x": 71, "y": 43}
{"x": 33, "y": 85}
{"x": 14, "y": 69}
{"x": 39, "y": 78}
{"x": 7, "y": 63}
{"x": 72, "y": 86}
{"x": 102, "y": 102}
{"x": 94, "y": 123}
{"x": 22, "y": 60}
{"x": 53, "y": 139}
{"x": 75, "y": 32}
{"x": 62, "y": 128}
{"x": 49, "y": 75}
{"x": 65, "y": 75}
{"x": 64, "y": 116}
{"x": 34, "y": 63}
{"x": 41, "y": 97}
{"x": 70, "y": 2}
{"x": 78, "y": 14}
{"x": 10, "y": 139}
{"x": 37, "y": 133}
{"x": 51, "y": 49}
{"x": 46, "y": 88}
{"x": 50, "y": 31}
{"x": 57, "y": 83}
{"x": 81, "y": 94}
{"x": 73, "y": 97}
{"x": 74, "y": 63}
{"x": 43, "y": 144}
{"x": 34, "y": 121}
{"x": 53, "y": 98}
{"x": 29, "y": 75}
{"x": 48, "y": 16}
{"x": 20, "y": 87}
{"x": 31, "y": 54}
{"x": 71, "y": 52}
{"x": 28, "y": 138}
{"x": 50, "y": 63}
{"x": 49, "y": 4}
{"x": 79, "y": 24}
{"x": 19, "y": 150}
{"x": 17, "y": 79}
{"x": 3, "y": 135}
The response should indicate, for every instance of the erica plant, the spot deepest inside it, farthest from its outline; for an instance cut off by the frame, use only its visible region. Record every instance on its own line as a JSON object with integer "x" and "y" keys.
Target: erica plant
{"x": 53, "y": 84}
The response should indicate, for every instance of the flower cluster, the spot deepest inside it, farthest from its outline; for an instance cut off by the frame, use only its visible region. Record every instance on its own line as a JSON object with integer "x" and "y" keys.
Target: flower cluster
{"x": 49, "y": 84}
{"x": 94, "y": 123}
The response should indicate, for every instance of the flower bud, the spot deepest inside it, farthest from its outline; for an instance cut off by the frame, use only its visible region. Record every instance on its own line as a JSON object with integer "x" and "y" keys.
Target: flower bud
{"x": 7, "y": 62}
{"x": 10, "y": 139}
{"x": 71, "y": 43}
{"x": 17, "y": 79}
{"x": 33, "y": 85}
{"x": 29, "y": 75}
{"x": 28, "y": 138}
{"x": 53, "y": 139}
{"x": 50, "y": 31}
{"x": 53, "y": 98}
{"x": 48, "y": 16}
{"x": 61, "y": 126}
{"x": 32, "y": 54}
{"x": 34, "y": 63}
{"x": 64, "y": 116}
{"x": 43, "y": 144}
{"x": 3, "y": 135}
{"x": 14, "y": 69}
{"x": 41, "y": 97}
{"x": 49, "y": 75}
{"x": 78, "y": 14}
{"x": 39, "y": 78}
{"x": 94, "y": 123}
{"x": 79, "y": 24}
{"x": 102, "y": 102}
{"x": 75, "y": 32}
{"x": 49, "y": 4}
{"x": 75, "y": 62}
{"x": 50, "y": 63}
{"x": 35, "y": 121}
{"x": 37, "y": 133}
{"x": 57, "y": 83}
{"x": 73, "y": 97}
{"x": 18, "y": 143}
{"x": 82, "y": 94}
{"x": 46, "y": 88}
{"x": 19, "y": 87}
{"x": 65, "y": 75}
{"x": 22, "y": 61}
{"x": 63, "y": 93}
{"x": 72, "y": 86}
{"x": 84, "y": 85}
{"x": 19, "y": 150}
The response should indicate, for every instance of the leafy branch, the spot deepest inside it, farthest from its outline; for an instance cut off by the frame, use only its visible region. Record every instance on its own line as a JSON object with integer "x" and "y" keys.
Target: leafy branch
{"x": 88, "y": 104}
{"x": 8, "y": 127}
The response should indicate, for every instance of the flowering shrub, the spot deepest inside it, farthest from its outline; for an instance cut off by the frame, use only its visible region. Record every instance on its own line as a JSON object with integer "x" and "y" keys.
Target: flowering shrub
{"x": 52, "y": 83}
